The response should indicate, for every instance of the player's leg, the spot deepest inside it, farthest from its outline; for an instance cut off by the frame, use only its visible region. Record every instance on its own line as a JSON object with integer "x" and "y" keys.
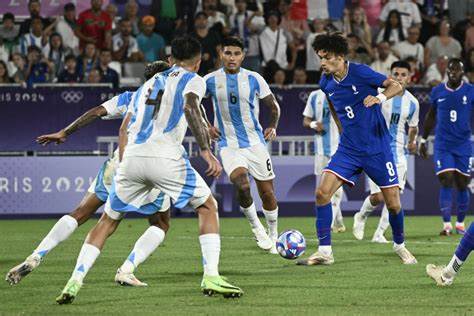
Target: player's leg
{"x": 61, "y": 231}
{"x": 370, "y": 204}
{"x": 444, "y": 276}
{"x": 445, "y": 169}
{"x": 338, "y": 221}
{"x": 90, "y": 250}
{"x": 270, "y": 209}
{"x": 462, "y": 178}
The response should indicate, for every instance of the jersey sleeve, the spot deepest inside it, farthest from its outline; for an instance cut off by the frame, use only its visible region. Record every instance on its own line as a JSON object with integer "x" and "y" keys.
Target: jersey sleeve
{"x": 433, "y": 98}
{"x": 414, "y": 117}
{"x": 308, "y": 110}
{"x": 117, "y": 106}
{"x": 370, "y": 76}
{"x": 264, "y": 90}
{"x": 196, "y": 85}
{"x": 206, "y": 78}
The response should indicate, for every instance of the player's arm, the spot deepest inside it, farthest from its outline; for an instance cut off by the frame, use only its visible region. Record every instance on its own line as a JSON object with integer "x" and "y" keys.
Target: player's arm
{"x": 334, "y": 115}
{"x": 430, "y": 122}
{"x": 214, "y": 132}
{"x": 192, "y": 112}
{"x": 313, "y": 125}
{"x": 83, "y": 120}
{"x": 123, "y": 135}
{"x": 271, "y": 102}
{"x": 412, "y": 133}
{"x": 392, "y": 88}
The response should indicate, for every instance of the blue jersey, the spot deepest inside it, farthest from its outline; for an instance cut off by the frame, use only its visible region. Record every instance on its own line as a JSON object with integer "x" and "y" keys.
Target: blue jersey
{"x": 453, "y": 118}
{"x": 364, "y": 129}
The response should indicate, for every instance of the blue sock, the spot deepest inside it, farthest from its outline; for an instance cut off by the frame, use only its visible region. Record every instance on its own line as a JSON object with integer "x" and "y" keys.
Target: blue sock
{"x": 445, "y": 203}
{"x": 463, "y": 199}
{"x": 396, "y": 221}
{"x": 466, "y": 244}
{"x": 323, "y": 224}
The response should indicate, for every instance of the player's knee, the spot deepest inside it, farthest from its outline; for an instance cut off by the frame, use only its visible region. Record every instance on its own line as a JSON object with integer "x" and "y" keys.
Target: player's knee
{"x": 161, "y": 220}
{"x": 322, "y": 196}
{"x": 394, "y": 207}
{"x": 243, "y": 184}
{"x": 376, "y": 199}
{"x": 81, "y": 214}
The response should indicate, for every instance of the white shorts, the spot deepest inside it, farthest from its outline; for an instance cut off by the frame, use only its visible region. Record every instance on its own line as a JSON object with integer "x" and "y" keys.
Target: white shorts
{"x": 103, "y": 181}
{"x": 255, "y": 159}
{"x": 402, "y": 177}
{"x": 320, "y": 162}
{"x": 138, "y": 178}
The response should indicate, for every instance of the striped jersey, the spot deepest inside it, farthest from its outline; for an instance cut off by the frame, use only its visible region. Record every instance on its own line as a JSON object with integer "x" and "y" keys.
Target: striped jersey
{"x": 399, "y": 111}
{"x": 117, "y": 106}
{"x": 158, "y": 124}
{"x": 317, "y": 109}
{"x": 235, "y": 99}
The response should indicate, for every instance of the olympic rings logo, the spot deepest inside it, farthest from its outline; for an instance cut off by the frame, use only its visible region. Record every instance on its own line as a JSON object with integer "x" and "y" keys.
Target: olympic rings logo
{"x": 72, "y": 96}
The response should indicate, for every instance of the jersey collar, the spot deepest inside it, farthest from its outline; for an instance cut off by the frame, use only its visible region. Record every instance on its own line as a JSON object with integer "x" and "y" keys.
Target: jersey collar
{"x": 339, "y": 81}
{"x": 449, "y": 89}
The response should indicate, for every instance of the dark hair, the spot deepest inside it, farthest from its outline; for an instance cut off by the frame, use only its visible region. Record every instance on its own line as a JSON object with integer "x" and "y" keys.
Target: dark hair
{"x": 105, "y": 50}
{"x": 273, "y": 13}
{"x": 8, "y": 16}
{"x": 155, "y": 67}
{"x": 69, "y": 57}
{"x": 400, "y": 64}
{"x": 233, "y": 41}
{"x": 33, "y": 1}
{"x": 124, "y": 20}
{"x": 388, "y": 27}
{"x": 456, "y": 60}
{"x": 33, "y": 48}
{"x": 6, "y": 70}
{"x": 332, "y": 43}
{"x": 200, "y": 14}
{"x": 185, "y": 47}
{"x": 299, "y": 68}
{"x": 69, "y": 6}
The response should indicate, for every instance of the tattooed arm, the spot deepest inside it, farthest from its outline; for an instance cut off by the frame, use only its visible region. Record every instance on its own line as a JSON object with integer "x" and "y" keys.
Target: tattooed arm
{"x": 84, "y": 120}
{"x": 123, "y": 136}
{"x": 271, "y": 102}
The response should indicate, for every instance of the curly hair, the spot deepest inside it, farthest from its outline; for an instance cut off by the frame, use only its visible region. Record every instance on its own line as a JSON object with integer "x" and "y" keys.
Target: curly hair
{"x": 332, "y": 43}
{"x": 155, "y": 67}
{"x": 185, "y": 47}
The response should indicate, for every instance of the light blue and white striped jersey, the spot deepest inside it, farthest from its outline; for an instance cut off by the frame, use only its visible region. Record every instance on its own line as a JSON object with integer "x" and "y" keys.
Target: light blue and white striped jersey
{"x": 117, "y": 106}
{"x": 236, "y": 106}
{"x": 317, "y": 109}
{"x": 399, "y": 111}
{"x": 158, "y": 125}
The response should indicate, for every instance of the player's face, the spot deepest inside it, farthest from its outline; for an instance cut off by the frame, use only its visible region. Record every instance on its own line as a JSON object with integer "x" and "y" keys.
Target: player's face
{"x": 455, "y": 72}
{"x": 330, "y": 63}
{"x": 232, "y": 57}
{"x": 402, "y": 75}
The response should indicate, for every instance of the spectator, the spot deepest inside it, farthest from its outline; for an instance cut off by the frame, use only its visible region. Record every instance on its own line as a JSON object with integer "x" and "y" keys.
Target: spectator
{"x": 356, "y": 53}
{"x": 70, "y": 74}
{"x": 411, "y": 47}
{"x": 460, "y": 28}
{"x": 313, "y": 62}
{"x": 4, "y": 53}
{"x": 94, "y": 77}
{"x": 210, "y": 43}
{"x": 131, "y": 13}
{"x": 94, "y": 26}
{"x": 442, "y": 45}
{"x": 107, "y": 74}
{"x": 55, "y": 52}
{"x": 285, "y": 22}
{"x": 34, "y": 7}
{"x": 274, "y": 43}
{"x": 36, "y": 37}
{"x": 359, "y": 26}
{"x": 214, "y": 16}
{"x": 336, "y": 12}
{"x": 384, "y": 59}
{"x": 279, "y": 78}
{"x": 151, "y": 44}
{"x": 169, "y": 15}
{"x": 38, "y": 70}
{"x": 4, "y": 78}
{"x": 432, "y": 12}
{"x": 470, "y": 65}
{"x": 393, "y": 31}
{"x": 415, "y": 72}
{"x": 125, "y": 47}
{"x": 459, "y": 9}
{"x": 247, "y": 25}
{"x": 112, "y": 11}
{"x": 408, "y": 10}
{"x": 299, "y": 76}
{"x": 436, "y": 72}
{"x": 372, "y": 10}
{"x": 66, "y": 26}
{"x": 9, "y": 32}
{"x": 468, "y": 38}
{"x": 87, "y": 60}
{"x": 19, "y": 66}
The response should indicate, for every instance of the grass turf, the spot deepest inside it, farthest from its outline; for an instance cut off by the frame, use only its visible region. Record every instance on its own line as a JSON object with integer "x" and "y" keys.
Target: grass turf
{"x": 366, "y": 278}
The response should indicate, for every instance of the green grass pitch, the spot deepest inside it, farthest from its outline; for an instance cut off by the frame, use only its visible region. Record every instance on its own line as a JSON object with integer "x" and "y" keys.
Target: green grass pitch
{"x": 367, "y": 279}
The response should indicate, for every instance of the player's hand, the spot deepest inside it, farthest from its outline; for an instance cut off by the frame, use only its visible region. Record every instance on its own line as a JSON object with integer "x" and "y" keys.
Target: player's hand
{"x": 319, "y": 128}
{"x": 412, "y": 148}
{"x": 270, "y": 134}
{"x": 371, "y": 100}
{"x": 214, "y": 133}
{"x": 57, "y": 138}
{"x": 214, "y": 166}
{"x": 423, "y": 150}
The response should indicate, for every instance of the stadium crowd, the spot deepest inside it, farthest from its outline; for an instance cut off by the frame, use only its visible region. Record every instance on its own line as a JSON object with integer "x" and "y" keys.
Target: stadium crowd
{"x": 98, "y": 46}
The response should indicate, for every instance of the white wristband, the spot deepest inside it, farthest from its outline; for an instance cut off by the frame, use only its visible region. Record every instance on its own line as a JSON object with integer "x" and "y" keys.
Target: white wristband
{"x": 313, "y": 124}
{"x": 422, "y": 140}
{"x": 382, "y": 97}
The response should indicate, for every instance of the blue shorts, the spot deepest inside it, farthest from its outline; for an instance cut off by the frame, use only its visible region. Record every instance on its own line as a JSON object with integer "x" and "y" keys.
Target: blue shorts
{"x": 380, "y": 167}
{"x": 448, "y": 161}
{"x": 99, "y": 187}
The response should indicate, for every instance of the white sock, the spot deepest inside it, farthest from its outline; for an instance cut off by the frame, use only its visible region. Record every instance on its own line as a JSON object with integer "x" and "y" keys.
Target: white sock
{"x": 367, "y": 207}
{"x": 447, "y": 226}
{"x": 61, "y": 231}
{"x": 452, "y": 268}
{"x": 336, "y": 207}
{"x": 85, "y": 260}
{"x": 272, "y": 221}
{"x": 144, "y": 247}
{"x": 383, "y": 222}
{"x": 210, "y": 248}
{"x": 327, "y": 250}
{"x": 251, "y": 214}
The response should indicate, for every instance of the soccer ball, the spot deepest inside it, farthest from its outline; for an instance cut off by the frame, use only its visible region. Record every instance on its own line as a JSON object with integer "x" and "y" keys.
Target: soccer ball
{"x": 291, "y": 244}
